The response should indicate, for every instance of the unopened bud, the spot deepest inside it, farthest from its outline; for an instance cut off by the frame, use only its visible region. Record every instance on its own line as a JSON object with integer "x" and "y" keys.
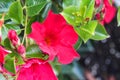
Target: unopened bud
{"x": 97, "y": 3}
{"x": 2, "y": 20}
{"x": 13, "y": 37}
{"x": 21, "y": 50}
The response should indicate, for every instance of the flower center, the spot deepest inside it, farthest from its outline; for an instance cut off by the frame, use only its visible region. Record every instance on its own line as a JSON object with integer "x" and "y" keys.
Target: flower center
{"x": 50, "y": 39}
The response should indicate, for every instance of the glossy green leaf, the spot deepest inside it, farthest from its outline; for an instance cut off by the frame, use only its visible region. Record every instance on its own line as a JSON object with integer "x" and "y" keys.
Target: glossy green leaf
{"x": 33, "y": 51}
{"x": 118, "y": 16}
{"x": 86, "y": 31}
{"x": 90, "y": 10}
{"x": 18, "y": 58}
{"x": 10, "y": 65}
{"x": 4, "y": 5}
{"x": 78, "y": 44}
{"x": 100, "y": 33}
{"x": 7, "y": 44}
{"x": 77, "y": 11}
{"x": 72, "y": 15}
{"x": 34, "y": 9}
{"x": 16, "y": 11}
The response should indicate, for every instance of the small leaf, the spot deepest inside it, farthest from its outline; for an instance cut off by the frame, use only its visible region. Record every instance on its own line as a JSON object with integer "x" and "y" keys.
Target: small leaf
{"x": 78, "y": 44}
{"x": 86, "y": 31}
{"x": 18, "y": 58}
{"x": 10, "y": 65}
{"x": 16, "y": 12}
{"x": 118, "y": 16}
{"x": 90, "y": 10}
{"x": 72, "y": 15}
{"x": 7, "y": 44}
{"x": 35, "y": 9}
{"x": 100, "y": 33}
{"x": 33, "y": 51}
{"x": 77, "y": 11}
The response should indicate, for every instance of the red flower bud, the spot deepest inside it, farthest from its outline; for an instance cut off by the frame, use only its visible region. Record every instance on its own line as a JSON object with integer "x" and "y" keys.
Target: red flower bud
{"x": 21, "y": 50}
{"x": 97, "y": 3}
{"x": 1, "y": 23}
{"x": 2, "y": 20}
{"x": 13, "y": 37}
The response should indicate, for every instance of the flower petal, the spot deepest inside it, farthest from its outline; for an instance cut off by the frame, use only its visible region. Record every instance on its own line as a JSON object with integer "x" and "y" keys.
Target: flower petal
{"x": 54, "y": 22}
{"x": 36, "y": 71}
{"x": 66, "y": 54}
{"x": 37, "y": 32}
{"x": 68, "y": 36}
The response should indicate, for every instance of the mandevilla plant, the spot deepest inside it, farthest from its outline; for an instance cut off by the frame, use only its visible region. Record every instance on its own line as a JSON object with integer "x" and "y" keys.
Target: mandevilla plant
{"x": 36, "y": 33}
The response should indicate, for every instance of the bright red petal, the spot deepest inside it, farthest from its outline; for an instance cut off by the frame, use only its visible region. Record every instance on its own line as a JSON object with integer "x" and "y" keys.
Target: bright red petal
{"x": 66, "y": 54}
{"x": 68, "y": 36}
{"x": 3, "y": 52}
{"x": 109, "y": 14}
{"x": 35, "y": 70}
{"x": 54, "y": 22}
{"x": 38, "y": 32}
{"x": 1, "y": 58}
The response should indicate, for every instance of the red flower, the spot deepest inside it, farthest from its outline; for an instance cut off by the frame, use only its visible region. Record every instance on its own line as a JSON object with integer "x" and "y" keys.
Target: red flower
{"x": 107, "y": 13}
{"x": 110, "y": 12}
{"x": 36, "y": 69}
{"x": 3, "y": 52}
{"x": 13, "y": 37}
{"x": 56, "y": 38}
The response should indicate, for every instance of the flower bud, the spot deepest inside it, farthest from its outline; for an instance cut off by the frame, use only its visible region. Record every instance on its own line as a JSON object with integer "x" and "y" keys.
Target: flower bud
{"x": 2, "y": 21}
{"x": 97, "y": 3}
{"x": 13, "y": 37}
{"x": 21, "y": 50}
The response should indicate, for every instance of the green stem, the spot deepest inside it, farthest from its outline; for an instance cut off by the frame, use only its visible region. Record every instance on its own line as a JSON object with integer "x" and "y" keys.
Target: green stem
{"x": 25, "y": 35}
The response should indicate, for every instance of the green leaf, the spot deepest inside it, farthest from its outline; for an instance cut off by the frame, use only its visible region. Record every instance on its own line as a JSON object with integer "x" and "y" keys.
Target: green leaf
{"x": 118, "y": 16}
{"x": 90, "y": 10}
{"x": 10, "y": 65}
{"x": 28, "y": 29}
{"x": 4, "y": 5}
{"x": 34, "y": 9}
{"x": 72, "y": 15}
{"x": 16, "y": 11}
{"x": 78, "y": 44}
{"x": 100, "y": 33}
{"x": 86, "y": 31}
{"x": 77, "y": 11}
{"x": 33, "y": 51}
{"x": 18, "y": 58}
{"x": 7, "y": 44}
